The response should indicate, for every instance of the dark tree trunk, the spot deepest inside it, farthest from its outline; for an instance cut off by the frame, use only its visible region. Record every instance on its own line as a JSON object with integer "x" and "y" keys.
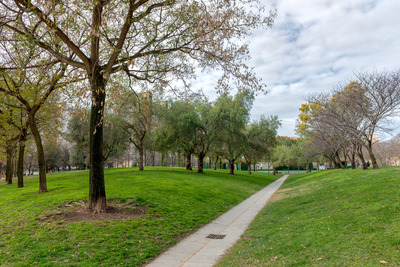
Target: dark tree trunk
{"x": 345, "y": 158}
{"x": 9, "y": 167}
{"x": 248, "y": 167}
{"x": 372, "y": 155}
{"x": 97, "y": 191}
{"x": 189, "y": 161}
{"x": 140, "y": 157}
{"x": 333, "y": 161}
{"x": 216, "y": 162}
{"x": 231, "y": 166}
{"x": 40, "y": 153}
{"x": 200, "y": 163}
{"x": 361, "y": 156}
{"x": 353, "y": 160}
{"x": 339, "y": 161}
{"x": 254, "y": 165}
{"x": 307, "y": 167}
{"x": 20, "y": 171}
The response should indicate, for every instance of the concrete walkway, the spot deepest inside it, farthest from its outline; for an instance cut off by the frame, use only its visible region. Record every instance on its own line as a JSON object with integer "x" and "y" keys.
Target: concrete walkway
{"x": 200, "y": 250}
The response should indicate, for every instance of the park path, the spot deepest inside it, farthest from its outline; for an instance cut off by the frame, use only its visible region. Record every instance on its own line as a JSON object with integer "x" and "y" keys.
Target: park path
{"x": 206, "y": 246}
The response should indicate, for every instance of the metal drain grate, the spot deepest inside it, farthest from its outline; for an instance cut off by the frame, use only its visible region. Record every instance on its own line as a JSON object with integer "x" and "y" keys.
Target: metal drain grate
{"x": 214, "y": 236}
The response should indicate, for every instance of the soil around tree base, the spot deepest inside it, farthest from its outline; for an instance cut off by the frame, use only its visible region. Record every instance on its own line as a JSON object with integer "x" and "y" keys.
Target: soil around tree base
{"x": 77, "y": 211}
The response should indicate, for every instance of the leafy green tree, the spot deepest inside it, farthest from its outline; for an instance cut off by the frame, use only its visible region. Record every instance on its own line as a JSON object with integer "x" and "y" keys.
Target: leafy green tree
{"x": 286, "y": 155}
{"x": 176, "y": 128}
{"x": 205, "y": 131}
{"x": 261, "y": 139}
{"x": 230, "y": 116}
{"x": 56, "y": 154}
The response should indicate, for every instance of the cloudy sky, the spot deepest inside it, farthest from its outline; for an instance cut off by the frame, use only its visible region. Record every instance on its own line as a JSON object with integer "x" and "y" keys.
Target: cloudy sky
{"x": 315, "y": 45}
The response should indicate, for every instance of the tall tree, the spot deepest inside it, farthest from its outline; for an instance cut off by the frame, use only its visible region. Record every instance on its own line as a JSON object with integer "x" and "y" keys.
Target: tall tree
{"x": 230, "y": 115}
{"x": 28, "y": 76}
{"x": 205, "y": 131}
{"x": 382, "y": 89}
{"x": 32, "y": 91}
{"x": 148, "y": 40}
{"x": 261, "y": 139}
{"x": 177, "y": 126}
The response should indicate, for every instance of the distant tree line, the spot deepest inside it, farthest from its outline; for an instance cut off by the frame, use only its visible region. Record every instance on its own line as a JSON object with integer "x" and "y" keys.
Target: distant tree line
{"x": 182, "y": 128}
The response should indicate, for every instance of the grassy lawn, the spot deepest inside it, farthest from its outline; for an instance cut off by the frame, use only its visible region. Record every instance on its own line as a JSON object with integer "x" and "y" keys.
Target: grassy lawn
{"x": 328, "y": 218}
{"x": 177, "y": 202}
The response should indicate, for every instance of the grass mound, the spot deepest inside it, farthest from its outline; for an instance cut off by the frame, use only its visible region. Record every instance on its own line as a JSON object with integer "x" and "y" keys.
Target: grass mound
{"x": 149, "y": 212}
{"x": 328, "y": 218}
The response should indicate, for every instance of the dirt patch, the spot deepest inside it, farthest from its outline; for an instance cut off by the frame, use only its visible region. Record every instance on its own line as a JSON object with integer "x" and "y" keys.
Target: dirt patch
{"x": 280, "y": 194}
{"x": 77, "y": 211}
{"x": 292, "y": 192}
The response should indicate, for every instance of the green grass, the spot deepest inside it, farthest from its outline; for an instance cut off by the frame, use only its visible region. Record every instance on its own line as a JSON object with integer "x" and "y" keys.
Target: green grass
{"x": 179, "y": 202}
{"x": 328, "y": 218}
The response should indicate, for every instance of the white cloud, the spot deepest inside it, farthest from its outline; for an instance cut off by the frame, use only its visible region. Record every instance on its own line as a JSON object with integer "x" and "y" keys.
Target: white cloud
{"x": 314, "y": 46}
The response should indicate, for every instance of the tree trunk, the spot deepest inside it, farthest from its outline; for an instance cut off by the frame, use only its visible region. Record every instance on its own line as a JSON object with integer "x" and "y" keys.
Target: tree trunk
{"x": 334, "y": 162}
{"x": 40, "y": 153}
{"x": 339, "y": 161}
{"x": 231, "y": 166}
{"x": 361, "y": 156}
{"x": 20, "y": 171}
{"x": 140, "y": 156}
{"x": 353, "y": 160}
{"x": 372, "y": 155}
{"x": 248, "y": 167}
{"x": 200, "y": 163}
{"x": 345, "y": 158}
{"x": 307, "y": 167}
{"x": 216, "y": 162}
{"x": 9, "y": 167}
{"x": 97, "y": 191}
{"x": 254, "y": 165}
{"x": 189, "y": 161}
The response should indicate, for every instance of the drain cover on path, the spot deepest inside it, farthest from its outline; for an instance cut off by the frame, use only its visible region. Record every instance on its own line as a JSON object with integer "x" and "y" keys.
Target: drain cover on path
{"x": 214, "y": 236}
